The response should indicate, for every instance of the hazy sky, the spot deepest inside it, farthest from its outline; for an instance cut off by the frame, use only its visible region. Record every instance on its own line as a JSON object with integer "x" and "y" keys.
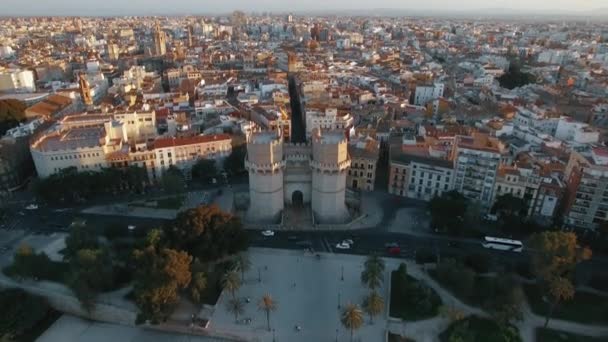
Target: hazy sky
{"x": 145, "y": 7}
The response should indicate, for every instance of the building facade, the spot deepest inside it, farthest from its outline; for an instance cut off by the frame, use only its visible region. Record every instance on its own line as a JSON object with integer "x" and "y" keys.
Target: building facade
{"x": 297, "y": 174}
{"x": 586, "y": 199}
{"x": 477, "y": 158}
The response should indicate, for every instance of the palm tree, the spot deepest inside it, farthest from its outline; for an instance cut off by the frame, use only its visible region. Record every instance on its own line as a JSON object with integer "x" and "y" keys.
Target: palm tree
{"x": 372, "y": 277}
{"x": 268, "y": 305}
{"x": 236, "y": 307}
{"x": 198, "y": 284}
{"x": 373, "y": 272}
{"x": 373, "y": 304}
{"x": 232, "y": 282}
{"x": 374, "y": 260}
{"x": 352, "y": 318}
{"x": 243, "y": 264}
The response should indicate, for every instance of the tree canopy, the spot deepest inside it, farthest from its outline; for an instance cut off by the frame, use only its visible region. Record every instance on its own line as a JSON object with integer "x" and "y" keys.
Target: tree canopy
{"x": 206, "y": 232}
{"x": 80, "y": 237}
{"x": 91, "y": 273}
{"x": 12, "y": 112}
{"x": 161, "y": 274}
{"x": 235, "y": 162}
{"x": 204, "y": 169}
{"x": 70, "y": 185}
{"x": 448, "y": 212}
{"x": 554, "y": 259}
{"x": 515, "y": 77}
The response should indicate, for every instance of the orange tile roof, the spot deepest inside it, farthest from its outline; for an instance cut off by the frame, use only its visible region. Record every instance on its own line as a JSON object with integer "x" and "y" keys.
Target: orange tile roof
{"x": 198, "y": 139}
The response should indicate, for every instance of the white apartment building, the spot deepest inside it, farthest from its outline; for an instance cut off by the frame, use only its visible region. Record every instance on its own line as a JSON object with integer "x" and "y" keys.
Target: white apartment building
{"x": 578, "y": 132}
{"x": 420, "y": 177}
{"x": 586, "y": 203}
{"x": 183, "y": 153}
{"x": 91, "y": 142}
{"x": 17, "y": 80}
{"x": 477, "y": 159}
{"x": 426, "y": 93}
{"x": 329, "y": 119}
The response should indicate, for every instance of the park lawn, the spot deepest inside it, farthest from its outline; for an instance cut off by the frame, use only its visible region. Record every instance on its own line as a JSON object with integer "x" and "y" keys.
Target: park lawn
{"x": 549, "y": 335}
{"x": 41, "y": 326}
{"x": 416, "y": 301}
{"x": 474, "y": 298}
{"x": 584, "y": 308}
{"x": 476, "y": 329}
{"x": 174, "y": 202}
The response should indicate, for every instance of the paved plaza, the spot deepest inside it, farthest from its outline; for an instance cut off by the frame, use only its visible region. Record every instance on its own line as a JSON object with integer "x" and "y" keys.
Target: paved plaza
{"x": 308, "y": 292}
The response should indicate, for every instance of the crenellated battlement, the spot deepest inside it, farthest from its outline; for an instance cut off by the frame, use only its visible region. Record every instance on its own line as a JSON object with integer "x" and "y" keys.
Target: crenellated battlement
{"x": 265, "y": 168}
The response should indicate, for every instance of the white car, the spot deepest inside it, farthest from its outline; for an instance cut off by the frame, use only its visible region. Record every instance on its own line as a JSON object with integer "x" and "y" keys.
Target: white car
{"x": 348, "y": 241}
{"x": 131, "y": 227}
{"x": 343, "y": 245}
{"x": 32, "y": 207}
{"x": 268, "y": 233}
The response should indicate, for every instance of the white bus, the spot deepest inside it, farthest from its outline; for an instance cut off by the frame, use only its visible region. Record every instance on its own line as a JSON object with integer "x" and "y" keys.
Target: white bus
{"x": 502, "y": 244}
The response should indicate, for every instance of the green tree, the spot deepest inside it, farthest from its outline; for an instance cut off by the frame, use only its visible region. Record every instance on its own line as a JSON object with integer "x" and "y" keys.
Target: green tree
{"x": 235, "y": 162}
{"x": 243, "y": 264}
{"x": 373, "y": 304}
{"x": 80, "y": 237}
{"x": 231, "y": 282}
{"x": 509, "y": 205}
{"x": 268, "y": 305}
{"x": 161, "y": 274}
{"x": 373, "y": 272}
{"x": 204, "y": 169}
{"x": 207, "y": 233}
{"x": 556, "y": 255}
{"x": 28, "y": 264}
{"x": 198, "y": 284}
{"x": 515, "y": 77}
{"x": 236, "y": 307}
{"x": 91, "y": 273}
{"x": 351, "y": 318}
{"x": 560, "y": 289}
{"x": 173, "y": 180}
{"x": 448, "y": 212}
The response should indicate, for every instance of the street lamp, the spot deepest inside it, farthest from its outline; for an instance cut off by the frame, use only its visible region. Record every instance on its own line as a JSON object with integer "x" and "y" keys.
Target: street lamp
{"x": 336, "y": 334}
{"x": 342, "y": 273}
{"x": 259, "y": 275}
{"x": 273, "y": 337}
{"x": 338, "y": 300}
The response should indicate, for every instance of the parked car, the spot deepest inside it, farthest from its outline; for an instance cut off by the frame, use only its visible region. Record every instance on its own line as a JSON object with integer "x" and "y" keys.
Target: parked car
{"x": 268, "y": 233}
{"x": 343, "y": 245}
{"x": 349, "y": 241}
{"x": 32, "y": 207}
{"x": 396, "y": 250}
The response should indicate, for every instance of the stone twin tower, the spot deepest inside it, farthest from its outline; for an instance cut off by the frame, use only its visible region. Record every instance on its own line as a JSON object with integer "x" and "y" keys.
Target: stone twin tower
{"x": 297, "y": 173}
